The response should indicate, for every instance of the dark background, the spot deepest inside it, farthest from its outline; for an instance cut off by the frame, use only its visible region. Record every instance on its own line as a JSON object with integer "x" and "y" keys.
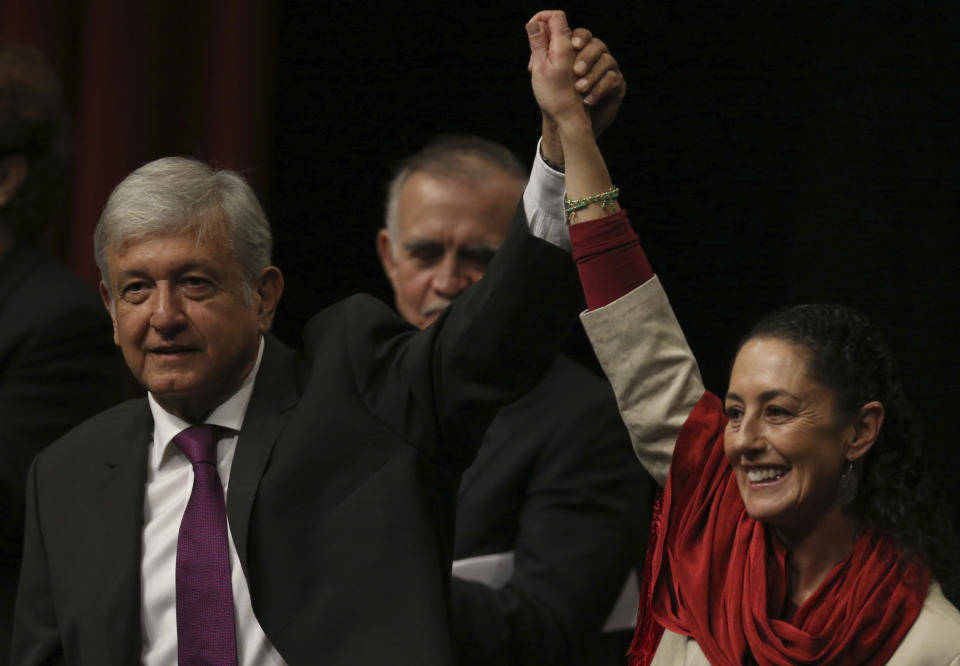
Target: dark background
{"x": 769, "y": 153}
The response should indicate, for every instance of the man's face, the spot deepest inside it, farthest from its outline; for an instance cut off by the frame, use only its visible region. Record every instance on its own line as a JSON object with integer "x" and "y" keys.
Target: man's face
{"x": 181, "y": 318}
{"x": 448, "y": 231}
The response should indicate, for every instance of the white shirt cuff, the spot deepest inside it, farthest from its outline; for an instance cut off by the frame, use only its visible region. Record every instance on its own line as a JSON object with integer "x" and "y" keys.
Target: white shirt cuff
{"x": 543, "y": 203}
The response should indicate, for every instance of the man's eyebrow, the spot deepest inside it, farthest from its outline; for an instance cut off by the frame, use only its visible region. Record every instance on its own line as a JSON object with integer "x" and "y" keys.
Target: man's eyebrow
{"x": 421, "y": 244}
{"x": 132, "y": 273}
{"x": 482, "y": 253}
{"x": 180, "y": 269}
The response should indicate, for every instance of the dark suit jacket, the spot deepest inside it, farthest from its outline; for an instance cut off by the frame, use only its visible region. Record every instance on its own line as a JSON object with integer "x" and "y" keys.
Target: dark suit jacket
{"x": 58, "y": 366}
{"x": 557, "y": 482}
{"x": 343, "y": 483}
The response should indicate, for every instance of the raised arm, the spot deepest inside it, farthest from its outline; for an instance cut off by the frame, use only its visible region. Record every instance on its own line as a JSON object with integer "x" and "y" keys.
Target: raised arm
{"x": 552, "y": 75}
{"x": 600, "y": 82}
{"x": 630, "y": 323}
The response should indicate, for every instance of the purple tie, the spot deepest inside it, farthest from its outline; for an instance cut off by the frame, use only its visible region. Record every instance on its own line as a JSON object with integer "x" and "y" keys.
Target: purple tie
{"x": 205, "y": 626}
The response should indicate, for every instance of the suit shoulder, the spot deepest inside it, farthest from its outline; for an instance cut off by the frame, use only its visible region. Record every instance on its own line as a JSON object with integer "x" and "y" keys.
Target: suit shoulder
{"x": 934, "y": 637}
{"x": 49, "y": 308}
{"x": 90, "y": 433}
{"x": 356, "y": 304}
{"x": 50, "y": 289}
{"x": 570, "y": 404}
{"x": 942, "y": 615}
{"x": 356, "y": 314}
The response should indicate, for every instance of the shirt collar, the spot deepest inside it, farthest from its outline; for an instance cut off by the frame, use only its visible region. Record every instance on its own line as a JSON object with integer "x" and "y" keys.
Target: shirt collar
{"x": 228, "y": 414}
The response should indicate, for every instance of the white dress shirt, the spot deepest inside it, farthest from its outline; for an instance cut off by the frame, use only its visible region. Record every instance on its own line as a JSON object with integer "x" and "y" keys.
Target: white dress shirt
{"x": 543, "y": 203}
{"x": 169, "y": 483}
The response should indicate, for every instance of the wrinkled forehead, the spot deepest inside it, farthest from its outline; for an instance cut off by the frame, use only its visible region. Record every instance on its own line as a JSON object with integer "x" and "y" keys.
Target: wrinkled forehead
{"x": 199, "y": 225}
{"x": 159, "y": 249}
{"x": 207, "y": 228}
{"x": 457, "y": 207}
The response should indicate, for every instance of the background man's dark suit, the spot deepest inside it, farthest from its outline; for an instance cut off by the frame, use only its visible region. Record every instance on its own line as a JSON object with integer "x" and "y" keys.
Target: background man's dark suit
{"x": 557, "y": 480}
{"x": 57, "y": 368}
{"x": 341, "y": 493}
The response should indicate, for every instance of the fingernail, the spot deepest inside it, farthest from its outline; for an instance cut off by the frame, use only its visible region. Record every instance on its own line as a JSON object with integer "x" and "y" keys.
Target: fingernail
{"x": 577, "y": 42}
{"x": 580, "y": 67}
{"x": 581, "y": 84}
{"x": 588, "y": 100}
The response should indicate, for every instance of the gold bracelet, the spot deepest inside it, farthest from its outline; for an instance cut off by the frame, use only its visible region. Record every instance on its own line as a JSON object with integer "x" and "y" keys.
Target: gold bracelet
{"x": 608, "y": 198}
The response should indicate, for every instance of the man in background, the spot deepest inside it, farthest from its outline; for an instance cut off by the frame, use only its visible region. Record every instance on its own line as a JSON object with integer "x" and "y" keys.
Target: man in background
{"x": 57, "y": 366}
{"x": 555, "y": 482}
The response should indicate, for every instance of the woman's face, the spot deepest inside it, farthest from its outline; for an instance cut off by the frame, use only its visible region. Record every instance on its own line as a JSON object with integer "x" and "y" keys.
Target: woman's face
{"x": 784, "y": 439}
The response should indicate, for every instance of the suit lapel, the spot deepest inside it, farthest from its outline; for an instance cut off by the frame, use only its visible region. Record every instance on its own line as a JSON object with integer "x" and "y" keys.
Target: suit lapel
{"x": 121, "y": 497}
{"x": 274, "y": 394}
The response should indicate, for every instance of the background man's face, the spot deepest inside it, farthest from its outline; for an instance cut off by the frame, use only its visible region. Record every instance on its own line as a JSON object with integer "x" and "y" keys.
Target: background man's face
{"x": 448, "y": 231}
{"x": 181, "y": 319}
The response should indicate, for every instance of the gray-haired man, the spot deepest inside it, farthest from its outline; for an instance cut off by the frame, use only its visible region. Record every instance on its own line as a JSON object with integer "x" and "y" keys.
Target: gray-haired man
{"x": 339, "y": 466}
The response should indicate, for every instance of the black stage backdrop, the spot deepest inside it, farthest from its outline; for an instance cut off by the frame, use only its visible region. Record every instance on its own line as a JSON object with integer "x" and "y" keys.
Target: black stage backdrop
{"x": 768, "y": 154}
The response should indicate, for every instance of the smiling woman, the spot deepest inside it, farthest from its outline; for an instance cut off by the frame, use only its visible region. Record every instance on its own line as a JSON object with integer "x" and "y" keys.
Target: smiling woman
{"x": 766, "y": 552}
{"x": 886, "y": 484}
{"x": 801, "y": 502}
{"x": 785, "y": 441}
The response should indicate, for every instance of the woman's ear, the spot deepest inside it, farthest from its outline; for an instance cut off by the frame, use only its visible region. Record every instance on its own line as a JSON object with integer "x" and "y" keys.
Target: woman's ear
{"x": 866, "y": 429}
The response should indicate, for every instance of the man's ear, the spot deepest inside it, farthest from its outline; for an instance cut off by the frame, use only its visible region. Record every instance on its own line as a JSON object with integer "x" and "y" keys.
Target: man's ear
{"x": 105, "y": 296}
{"x": 385, "y": 250}
{"x": 13, "y": 171}
{"x": 866, "y": 429}
{"x": 269, "y": 290}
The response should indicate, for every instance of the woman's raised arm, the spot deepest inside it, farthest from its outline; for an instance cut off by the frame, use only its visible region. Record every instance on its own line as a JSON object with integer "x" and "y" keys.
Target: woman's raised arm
{"x": 630, "y": 323}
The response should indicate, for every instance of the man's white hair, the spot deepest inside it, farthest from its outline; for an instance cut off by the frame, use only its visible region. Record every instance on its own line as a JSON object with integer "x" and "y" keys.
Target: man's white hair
{"x": 462, "y": 156}
{"x": 178, "y": 195}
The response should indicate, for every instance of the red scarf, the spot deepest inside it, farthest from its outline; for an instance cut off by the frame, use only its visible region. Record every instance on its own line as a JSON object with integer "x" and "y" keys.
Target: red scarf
{"x": 717, "y": 576}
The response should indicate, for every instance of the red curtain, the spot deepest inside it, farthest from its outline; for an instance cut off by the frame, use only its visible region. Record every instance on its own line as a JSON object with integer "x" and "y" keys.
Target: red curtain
{"x": 152, "y": 78}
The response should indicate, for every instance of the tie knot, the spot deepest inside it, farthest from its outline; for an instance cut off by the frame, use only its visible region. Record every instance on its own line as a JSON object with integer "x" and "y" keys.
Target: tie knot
{"x": 199, "y": 443}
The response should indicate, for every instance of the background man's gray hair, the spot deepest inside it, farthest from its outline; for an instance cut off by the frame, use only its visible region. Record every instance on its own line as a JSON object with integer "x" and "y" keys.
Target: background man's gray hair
{"x": 450, "y": 156}
{"x": 176, "y": 195}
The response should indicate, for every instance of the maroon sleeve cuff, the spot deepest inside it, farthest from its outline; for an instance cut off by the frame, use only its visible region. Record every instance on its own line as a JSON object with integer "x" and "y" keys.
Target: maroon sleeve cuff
{"x": 609, "y": 258}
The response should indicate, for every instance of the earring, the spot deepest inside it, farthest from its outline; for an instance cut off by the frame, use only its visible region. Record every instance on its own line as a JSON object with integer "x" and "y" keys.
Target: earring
{"x": 847, "y": 487}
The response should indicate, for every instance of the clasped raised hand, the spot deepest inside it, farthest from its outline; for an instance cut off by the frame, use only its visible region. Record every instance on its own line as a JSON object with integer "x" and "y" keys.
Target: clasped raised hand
{"x": 551, "y": 68}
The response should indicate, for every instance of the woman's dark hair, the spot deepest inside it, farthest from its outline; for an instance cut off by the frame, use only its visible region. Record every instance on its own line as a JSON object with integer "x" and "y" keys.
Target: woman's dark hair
{"x": 849, "y": 356}
{"x": 34, "y": 125}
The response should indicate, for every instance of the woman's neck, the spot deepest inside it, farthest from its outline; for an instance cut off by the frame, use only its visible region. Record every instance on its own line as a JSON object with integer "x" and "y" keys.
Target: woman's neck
{"x": 814, "y": 553}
